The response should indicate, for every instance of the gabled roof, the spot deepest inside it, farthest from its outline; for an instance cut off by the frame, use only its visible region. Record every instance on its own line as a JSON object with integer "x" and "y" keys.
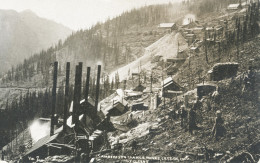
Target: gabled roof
{"x": 168, "y": 82}
{"x": 166, "y": 25}
{"x": 116, "y": 105}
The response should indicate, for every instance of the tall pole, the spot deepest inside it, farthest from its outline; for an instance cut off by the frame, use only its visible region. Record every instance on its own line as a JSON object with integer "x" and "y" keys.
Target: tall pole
{"x": 65, "y": 116}
{"x": 80, "y": 79}
{"x": 55, "y": 72}
{"x": 75, "y": 97}
{"x": 151, "y": 86}
{"x": 87, "y": 84}
{"x": 97, "y": 88}
{"x": 163, "y": 95}
{"x": 87, "y": 93}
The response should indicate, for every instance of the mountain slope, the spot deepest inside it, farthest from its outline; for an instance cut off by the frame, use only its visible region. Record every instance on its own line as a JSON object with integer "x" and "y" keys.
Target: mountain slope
{"x": 22, "y": 34}
{"x": 166, "y": 47}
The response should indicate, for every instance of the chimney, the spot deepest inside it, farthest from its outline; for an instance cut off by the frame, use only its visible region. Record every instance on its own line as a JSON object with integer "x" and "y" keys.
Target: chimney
{"x": 55, "y": 71}
{"x": 65, "y": 116}
{"x": 97, "y": 88}
{"x": 80, "y": 79}
{"x": 87, "y": 92}
{"x": 77, "y": 94}
{"x": 87, "y": 84}
{"x": 75, "y": 97}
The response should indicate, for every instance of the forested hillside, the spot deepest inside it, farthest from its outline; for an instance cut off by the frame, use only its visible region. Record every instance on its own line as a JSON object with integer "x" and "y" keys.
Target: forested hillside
{"x": 23, "y": 34}
{"x": 114, "y": 43}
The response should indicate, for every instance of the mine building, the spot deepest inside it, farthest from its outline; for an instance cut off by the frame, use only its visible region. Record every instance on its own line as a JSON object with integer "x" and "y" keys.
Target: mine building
{"x": 167, "y": 26}
{"x": 170, "y": 88}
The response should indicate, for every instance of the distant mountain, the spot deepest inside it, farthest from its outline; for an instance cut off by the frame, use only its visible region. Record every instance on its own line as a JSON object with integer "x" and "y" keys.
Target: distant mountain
{"x": 23, "y": 34}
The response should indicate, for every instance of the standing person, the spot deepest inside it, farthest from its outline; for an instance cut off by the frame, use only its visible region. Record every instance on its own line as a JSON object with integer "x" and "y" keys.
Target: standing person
{"x": 183, "y": 116}
{"x": 215, "y": 99}
{"x": 134, "y": 146}
{"x": 192, "y": 120}
{"x": 218, "y": 129}
{"x": 3, "y": 155}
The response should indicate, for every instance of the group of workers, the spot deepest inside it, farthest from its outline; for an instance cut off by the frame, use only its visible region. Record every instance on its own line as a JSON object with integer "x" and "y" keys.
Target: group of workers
{"x": 189, "y": 118}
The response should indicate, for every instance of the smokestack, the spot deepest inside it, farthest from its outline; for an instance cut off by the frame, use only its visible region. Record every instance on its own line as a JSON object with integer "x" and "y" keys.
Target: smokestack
{"x": 77, "y": 94}
{"x": 65, "y": 116}
{"x": 75, "y": 97}
{"x": 80, "y": 79}
{"x": 87, "y": 84}
{"x": 86, "y": 93}
{"x": 97, "y": 87}
{"x": 55, "y": 71}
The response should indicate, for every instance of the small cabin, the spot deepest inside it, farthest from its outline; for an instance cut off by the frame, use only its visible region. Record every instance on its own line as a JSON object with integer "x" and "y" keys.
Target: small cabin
{"x": 169, "y": 85}
{"x": 169, "y": 26}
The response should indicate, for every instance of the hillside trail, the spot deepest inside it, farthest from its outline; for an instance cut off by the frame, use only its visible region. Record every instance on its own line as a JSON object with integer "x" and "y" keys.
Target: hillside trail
{"x": 167, "y": 47}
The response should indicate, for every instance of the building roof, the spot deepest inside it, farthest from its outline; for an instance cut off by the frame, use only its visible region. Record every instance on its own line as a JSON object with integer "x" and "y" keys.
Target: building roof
{"x": 233, "y": 6}
{"x": 166, "y": 25}
{"x": 107, "y": 109}
{"x": 95, "y": 134}
{"x": 194, "y": 48}
{"x": 43, "y": 141}
{"x": 90, "y": 102}
{"x": 175, "y": 59}
{"x": 166, "y": 81}
{"x": 209, "y": 28}
{"x": 134, "y": 94}
{"x": 69, "y": 121}
{"x": 113, "y": 101}
{"x": 190, "y": 35}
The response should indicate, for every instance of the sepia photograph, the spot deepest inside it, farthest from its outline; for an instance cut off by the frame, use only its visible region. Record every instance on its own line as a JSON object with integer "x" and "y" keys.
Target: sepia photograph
{"x": 129, "y": 81}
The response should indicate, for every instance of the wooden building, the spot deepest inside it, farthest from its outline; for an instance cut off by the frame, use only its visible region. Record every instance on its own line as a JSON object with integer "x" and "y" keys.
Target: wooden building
{"x": 170, "y": 88}
{"x": 167, "y": 26}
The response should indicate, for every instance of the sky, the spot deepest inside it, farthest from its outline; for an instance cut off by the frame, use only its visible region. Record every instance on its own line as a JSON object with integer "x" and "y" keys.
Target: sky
{"x": 77, "y": 14}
